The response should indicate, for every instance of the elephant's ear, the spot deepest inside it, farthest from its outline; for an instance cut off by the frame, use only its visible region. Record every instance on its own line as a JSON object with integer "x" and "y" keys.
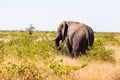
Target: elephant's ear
{"x": 64, "y": 29}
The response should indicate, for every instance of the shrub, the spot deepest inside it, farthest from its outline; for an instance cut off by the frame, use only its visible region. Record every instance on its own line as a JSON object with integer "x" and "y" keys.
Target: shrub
{"x": 59, "y": 69}
{"x": 34, "y": 55}
{"x": 98, "y": 52}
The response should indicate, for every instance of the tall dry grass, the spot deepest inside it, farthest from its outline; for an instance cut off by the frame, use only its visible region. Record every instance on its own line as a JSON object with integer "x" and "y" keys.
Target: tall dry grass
{"x": 96, "y": 71}
{"x": 116, "y": 52}
{"x": 99, "y": 70}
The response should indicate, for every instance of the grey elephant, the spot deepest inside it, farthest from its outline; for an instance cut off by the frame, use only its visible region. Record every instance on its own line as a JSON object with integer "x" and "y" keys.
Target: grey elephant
{"x": 77, "y": 36}
{"x": 90, "y": 36}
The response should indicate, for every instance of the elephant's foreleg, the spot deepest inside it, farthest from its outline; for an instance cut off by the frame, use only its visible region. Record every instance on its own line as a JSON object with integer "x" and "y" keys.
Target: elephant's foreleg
{"x": 77, "y": 53}
{"x": 69, "y": 47}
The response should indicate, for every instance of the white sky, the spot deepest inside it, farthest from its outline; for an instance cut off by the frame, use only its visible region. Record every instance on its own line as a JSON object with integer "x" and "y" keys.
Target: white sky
{"x": 101, "y": 15}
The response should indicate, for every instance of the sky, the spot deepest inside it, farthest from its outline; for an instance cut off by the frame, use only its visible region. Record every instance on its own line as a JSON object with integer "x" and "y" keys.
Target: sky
{"x": 46, "y": 15}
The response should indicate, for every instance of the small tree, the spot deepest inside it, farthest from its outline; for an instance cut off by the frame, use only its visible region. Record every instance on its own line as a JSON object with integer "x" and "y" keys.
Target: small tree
{"x": 30, "y": 29}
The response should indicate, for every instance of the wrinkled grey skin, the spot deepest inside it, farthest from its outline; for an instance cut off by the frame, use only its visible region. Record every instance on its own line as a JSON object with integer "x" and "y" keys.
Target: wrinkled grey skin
{"x": 77, "y": 36}
{"x": 90, "y": 36}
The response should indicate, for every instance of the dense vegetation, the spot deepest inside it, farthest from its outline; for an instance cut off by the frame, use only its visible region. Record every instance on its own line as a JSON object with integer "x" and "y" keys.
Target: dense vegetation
{"x": 34, "y": 57}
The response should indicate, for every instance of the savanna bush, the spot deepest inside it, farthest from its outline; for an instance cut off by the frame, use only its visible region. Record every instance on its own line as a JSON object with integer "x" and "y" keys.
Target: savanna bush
{"x": 24, "y": 71}
{"x": 58, "y": 68}
{"x": 98, "y": 52}
{"x": 108, "y": 38}
{"x": 37, "y": 49}
{"x": 1, "y": 44}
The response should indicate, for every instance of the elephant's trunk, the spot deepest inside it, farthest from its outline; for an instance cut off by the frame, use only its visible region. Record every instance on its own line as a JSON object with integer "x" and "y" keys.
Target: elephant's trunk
{"x": 57, "y": 41}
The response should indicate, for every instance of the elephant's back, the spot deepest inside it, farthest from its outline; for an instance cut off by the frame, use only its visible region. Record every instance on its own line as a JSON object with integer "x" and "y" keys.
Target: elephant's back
{"x": 78, "y": 39}
{"x": 76, "y": 33}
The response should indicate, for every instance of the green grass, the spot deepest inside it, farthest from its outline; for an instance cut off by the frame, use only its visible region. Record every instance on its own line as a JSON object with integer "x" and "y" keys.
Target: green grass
{"x": 98, "y": 52}
{"x": 33, "y": 57}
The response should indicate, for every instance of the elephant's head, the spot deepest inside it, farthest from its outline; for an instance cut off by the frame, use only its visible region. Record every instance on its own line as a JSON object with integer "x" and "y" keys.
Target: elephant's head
{"x": 61, "y": 33}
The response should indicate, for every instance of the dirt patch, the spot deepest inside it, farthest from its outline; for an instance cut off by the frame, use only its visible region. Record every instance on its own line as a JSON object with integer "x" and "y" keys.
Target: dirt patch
{"x": 68, "y": 61}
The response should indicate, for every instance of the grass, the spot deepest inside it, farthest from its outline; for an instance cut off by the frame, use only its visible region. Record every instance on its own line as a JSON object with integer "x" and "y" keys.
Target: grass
{"x": 35, "y": 57}
{"x": 96, "y": 71}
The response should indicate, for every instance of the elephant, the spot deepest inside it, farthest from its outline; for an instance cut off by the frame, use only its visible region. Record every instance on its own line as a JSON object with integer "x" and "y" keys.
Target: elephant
{"x": 78, "y": 37}
{"x": 91, "y": 36}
